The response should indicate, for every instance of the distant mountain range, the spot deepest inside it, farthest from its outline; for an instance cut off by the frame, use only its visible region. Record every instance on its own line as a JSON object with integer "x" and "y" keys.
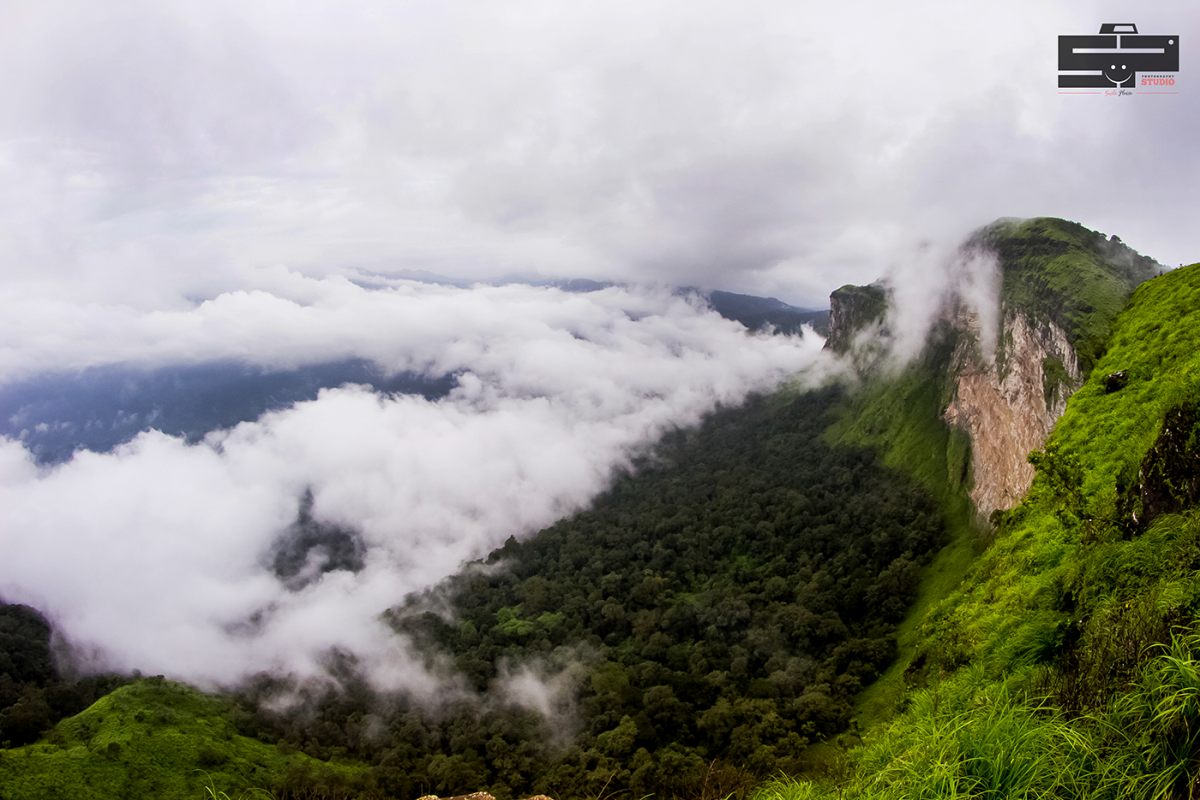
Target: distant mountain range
{"x": 756, "y": 313}
{"x": 98, "y": 408}
{"x": 56, "y": 413}
{"x": 760, "y": 313}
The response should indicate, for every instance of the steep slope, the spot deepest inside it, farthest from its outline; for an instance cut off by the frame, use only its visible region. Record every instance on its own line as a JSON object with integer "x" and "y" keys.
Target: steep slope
{"x": 1061, "y": 287}
{"x": 962, "y": 417}
{"x": 1065, "y": 665}
{"x": 852, "y": 310}
{"x": 1099, "y": 457}
{"x": 1058, "y": 288}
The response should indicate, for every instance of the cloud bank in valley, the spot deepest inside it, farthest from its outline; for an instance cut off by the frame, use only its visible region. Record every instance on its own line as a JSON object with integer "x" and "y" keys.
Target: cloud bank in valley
{"x": 188, "y": 182}
{"x": 157, "y": 556}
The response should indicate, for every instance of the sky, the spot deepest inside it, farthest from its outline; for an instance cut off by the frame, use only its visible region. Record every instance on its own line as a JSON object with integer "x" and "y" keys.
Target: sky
{"x": 153, "y": 153}
{"x": 193, "y": 181}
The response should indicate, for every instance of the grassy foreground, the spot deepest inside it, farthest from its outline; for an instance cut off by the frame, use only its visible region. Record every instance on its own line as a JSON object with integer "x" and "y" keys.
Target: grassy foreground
{"x": 1067, "y": 664}
{"x": 156, "y": 738}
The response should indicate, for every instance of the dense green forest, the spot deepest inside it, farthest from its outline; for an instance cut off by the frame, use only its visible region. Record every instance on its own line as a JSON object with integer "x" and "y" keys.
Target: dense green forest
{"x": 712, "y": 615}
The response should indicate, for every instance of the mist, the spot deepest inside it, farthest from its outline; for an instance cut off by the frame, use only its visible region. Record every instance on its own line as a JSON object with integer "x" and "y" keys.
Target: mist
{"x": 938, "y": 281}
{"x": 162, "y": 556}
{"x": 189, "y": 183}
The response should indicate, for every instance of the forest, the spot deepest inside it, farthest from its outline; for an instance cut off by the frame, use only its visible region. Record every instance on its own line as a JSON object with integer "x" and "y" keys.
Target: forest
{"x": 710, "y": 617}
{"x": 33, "y": 694}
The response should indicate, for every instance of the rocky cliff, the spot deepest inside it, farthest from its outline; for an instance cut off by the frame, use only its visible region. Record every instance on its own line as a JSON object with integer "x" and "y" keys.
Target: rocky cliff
{"x": 854, "y": 310}
{"x": 1007, "y": 406}
{"x": 1017, "y": 353}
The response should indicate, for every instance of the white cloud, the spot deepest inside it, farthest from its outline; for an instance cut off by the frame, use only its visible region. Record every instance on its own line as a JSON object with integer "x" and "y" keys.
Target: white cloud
{"x": 157, "y": 556}
{"x": 152, "y": 151}
{"x": 187, "y": 181}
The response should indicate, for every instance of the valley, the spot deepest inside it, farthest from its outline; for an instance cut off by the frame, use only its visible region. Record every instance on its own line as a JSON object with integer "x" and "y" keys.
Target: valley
{"x": 970, "y": 572}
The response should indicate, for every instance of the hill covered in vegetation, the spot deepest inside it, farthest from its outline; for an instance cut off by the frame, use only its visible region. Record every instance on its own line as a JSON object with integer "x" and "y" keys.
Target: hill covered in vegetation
{"x": 794, "y": 572}
{"x": 723, "y": 606}
{"x": 1066, "y": 663}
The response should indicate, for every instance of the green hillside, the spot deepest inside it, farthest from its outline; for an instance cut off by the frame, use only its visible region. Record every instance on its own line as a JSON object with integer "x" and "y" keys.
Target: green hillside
{"x": 900, "y": 417}
{"x": 721, "y": 607}
{"x": 1061, "y": 271}
{"x": 1051, "y": 269}
{"x": 1067, "y": 664}
{"x": 159, "y": 739}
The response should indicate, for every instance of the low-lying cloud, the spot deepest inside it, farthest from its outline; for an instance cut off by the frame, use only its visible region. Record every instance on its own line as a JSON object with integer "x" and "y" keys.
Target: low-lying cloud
{"x": 283, "y": 319}
{"x": 161, "y": 555}
{"x": 937, "y": 281}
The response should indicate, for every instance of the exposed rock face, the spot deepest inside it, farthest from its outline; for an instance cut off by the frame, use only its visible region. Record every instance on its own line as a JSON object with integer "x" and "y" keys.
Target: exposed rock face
{"x": 1009, "y": 404}
{"x": 1048, "y": 308}
{"x": 853, "y": 309}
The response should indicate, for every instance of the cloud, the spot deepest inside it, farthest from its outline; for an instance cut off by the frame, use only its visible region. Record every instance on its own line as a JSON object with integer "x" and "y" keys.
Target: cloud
{"x": 283, "y": 319}
{"x": 933, "y": 282}
{"x": 550, "y": 690}
{"x": 159, "y": 556}
{"x": 153, "y": 152}
{"x": 186, "y": 182}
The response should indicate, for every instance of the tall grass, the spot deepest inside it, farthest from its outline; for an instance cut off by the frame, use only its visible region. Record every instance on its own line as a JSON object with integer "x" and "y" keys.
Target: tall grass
{"x": 972, "y": 738}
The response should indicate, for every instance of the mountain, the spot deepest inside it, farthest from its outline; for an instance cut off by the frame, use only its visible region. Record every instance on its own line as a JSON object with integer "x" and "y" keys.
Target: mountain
{"x": 960, "y": 422}
{"x": 756, "y": 313}
{"x": 760, "y": 313}
{"x": 852, "y": 310}
{"x": 1063, "y": 663}
{"x": 1007, "y": 369}
{"x": 971, "y": 570}
{"x": 56, "y": 413}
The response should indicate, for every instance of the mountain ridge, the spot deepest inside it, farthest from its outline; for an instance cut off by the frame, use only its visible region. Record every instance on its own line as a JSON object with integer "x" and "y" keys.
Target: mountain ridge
{"x": 1018, "y": 604}
{"x": 1058, "y": 288}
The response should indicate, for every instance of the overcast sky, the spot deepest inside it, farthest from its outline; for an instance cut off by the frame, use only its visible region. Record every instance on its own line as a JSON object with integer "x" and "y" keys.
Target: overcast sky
{"x": 182, "y": 182}
{"x": 153, "y": 152}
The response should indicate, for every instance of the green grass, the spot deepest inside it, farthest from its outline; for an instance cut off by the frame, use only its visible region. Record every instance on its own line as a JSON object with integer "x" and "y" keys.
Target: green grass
{"x": 155, "y": 739}
{"x": 974, "y": 737}
{"x": 900, "y": 416}
{"x": 1066, "y": 528}
{"x": 1067, "y": 663}
{"x": 1061, "y": 271}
